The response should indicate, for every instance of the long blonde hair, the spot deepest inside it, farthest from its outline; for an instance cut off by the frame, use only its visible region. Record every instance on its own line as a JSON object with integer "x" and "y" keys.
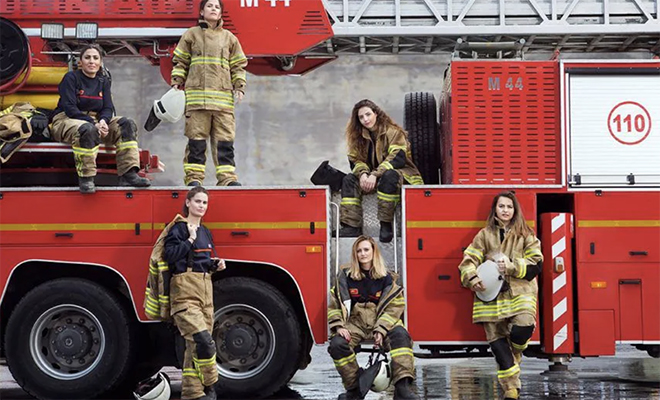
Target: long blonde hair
{"x": 378, "y": 269}
{"x": 354, "y": 128}
{"x": 517, "y": 225}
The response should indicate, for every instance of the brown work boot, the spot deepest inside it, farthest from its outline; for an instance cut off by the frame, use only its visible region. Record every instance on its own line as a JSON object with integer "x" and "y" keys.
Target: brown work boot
{"x": 403, "y": 390}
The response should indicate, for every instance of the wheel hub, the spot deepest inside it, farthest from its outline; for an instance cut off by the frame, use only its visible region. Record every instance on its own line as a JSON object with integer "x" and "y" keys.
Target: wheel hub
{"x": 71, "y": 341}
{"x": 241, "y": 340}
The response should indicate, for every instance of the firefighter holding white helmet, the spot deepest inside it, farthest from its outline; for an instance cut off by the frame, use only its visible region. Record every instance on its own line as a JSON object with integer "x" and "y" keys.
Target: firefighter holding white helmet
{"x": 210, "y": 62}
{"x": 366, "y": 303}
{"x": 509, "y": 320}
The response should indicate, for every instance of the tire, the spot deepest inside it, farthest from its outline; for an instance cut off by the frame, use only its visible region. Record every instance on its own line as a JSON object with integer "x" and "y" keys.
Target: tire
{"x": 421, "y": 122}
{"x": 69, "y": 339}
{"x": 257, "y": 336}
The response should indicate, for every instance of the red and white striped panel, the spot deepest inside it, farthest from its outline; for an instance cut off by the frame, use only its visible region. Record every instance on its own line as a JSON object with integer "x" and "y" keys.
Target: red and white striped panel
{"x": 557, "y": 288}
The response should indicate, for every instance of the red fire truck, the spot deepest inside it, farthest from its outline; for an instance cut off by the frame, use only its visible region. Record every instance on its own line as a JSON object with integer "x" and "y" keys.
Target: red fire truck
{"x": 576, "y": 140}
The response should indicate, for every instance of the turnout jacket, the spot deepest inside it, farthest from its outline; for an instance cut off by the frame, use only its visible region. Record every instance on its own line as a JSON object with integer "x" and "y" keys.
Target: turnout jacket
{"x": 391, "y": 151}
{"x": 157, "y": 295}
{"x": 15, "y": 128}
{"x": 389, "y": 308}
{"x": 524, "y": 262}
{"x": 210, "y": 62}
{"x": 180, "y": 253}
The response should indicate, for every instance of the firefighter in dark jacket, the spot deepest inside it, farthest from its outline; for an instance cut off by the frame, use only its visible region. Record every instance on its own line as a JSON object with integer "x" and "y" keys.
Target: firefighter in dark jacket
{"x": 188, "y": 252}
{"x": 84, "y": 119}
{"x": 510, "y": 319}
{"x": 380, "y": 159}
{"x": 366, "y": 303}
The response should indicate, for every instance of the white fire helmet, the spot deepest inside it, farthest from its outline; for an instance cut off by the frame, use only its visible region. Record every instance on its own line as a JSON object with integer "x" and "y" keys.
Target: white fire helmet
{"x": 383, "y": 377}
{"x": 169, "y": 108}
{"x": 155, "y": 388}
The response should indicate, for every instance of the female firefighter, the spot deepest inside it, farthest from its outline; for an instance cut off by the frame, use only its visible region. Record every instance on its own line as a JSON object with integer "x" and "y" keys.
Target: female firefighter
{"x": 509, "y": 320}
{"x": 366, "y": 303}
{"x": 210, "y": 63}
{"x": 188, "y": 249}
{"x": 84, "y": 119}
{"x": 380, "y": 159}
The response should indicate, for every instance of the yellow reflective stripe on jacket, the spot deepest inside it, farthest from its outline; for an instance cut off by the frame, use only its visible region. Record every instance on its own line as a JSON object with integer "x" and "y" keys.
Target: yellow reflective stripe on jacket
{"x": 508, "y": 372}
{"x": 399, "y": 301}
{"x": 204, "y": 361}
{"x": 531, "y": 253}
{"x": 520, "y": 347}
{"x": 334, "y": 313}
{"x": 350, "y": 201}
{"x": 164, "y": 299}
{"x": 523, "y": 268}
{"x": 467, "y": 270}
{"x": 209, "y": 61}
{"x": 389, "y": 319}
{"x": 190, "y": 372}
{"x": 475, "y": 252}
{"x": 127, "y": 145}
{"x": 178, "y": 71}
{"x": 345, "y": 361}
{"x": 386, "y": 165}
{"x": 360, "y": 165}
{"x": 239, "y": 75}
{"x": 413, "y": 179}
{"x": 504, "y": 307}
{"x": 180, "y": 53}
{"x": 401, "y": 351}
{"x": 395, "y": 147}
{"x": 388, "y": 197}
{"x": 239, "y": 58}
{"x": 85, "y": 152}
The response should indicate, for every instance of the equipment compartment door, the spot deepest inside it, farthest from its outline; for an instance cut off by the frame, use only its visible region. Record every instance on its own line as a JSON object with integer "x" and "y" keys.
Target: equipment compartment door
{"x": 630, "y": 309}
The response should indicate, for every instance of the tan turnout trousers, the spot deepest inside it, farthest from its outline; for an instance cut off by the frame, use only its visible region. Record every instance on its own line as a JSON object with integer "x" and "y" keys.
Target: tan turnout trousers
{"x": 220, "y": 127}
{"x": 191, "y": 295}
{"x": 66, "y": 130}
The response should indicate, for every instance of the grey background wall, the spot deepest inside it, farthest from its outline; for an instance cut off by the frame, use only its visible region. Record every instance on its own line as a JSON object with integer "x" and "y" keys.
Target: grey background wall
{"x": 286, "y": 126}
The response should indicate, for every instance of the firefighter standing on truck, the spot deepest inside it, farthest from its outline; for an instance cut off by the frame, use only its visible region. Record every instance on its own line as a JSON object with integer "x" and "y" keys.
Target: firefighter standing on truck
{"x": 366, "y": 303}
{"x": 510, "y": 319}
{"x": 188, "y": 250}
{"x": 84, "y": 119}
{"x": 210, "y": 62}
{"x": 380, "y": 159}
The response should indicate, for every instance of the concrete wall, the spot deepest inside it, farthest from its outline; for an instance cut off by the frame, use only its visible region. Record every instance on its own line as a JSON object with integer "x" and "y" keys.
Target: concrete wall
{"x": 286, "y": 126}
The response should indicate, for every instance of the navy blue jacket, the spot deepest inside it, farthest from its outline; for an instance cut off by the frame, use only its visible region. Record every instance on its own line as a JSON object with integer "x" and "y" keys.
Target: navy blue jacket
{"x": 79, "y": 94}
{"x": 178, "y": 249}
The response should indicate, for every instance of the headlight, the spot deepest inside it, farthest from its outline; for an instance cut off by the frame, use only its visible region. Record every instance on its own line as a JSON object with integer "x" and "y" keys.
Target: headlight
{"x": 52, "y": 31}
{"x": 87, "y": 30}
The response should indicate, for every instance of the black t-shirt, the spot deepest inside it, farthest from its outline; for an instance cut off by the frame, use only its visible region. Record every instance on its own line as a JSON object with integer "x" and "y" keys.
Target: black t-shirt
{"x": 80, "y": 94}
{"x": 367, "y": 289}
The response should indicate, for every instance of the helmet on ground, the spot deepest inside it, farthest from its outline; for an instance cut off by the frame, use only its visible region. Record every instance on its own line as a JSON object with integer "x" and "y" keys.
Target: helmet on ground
{"x": 383, "y": 377}
{"x": 155, "y": 388}
{"x": 169, "y": 108}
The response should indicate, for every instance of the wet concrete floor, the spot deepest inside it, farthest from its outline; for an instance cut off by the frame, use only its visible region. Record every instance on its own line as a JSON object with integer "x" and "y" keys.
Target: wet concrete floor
{"x": 632, "y": 374}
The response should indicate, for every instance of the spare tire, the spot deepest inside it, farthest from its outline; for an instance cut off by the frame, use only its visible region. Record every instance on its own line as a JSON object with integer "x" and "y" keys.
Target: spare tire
{"x": 14, "y": 50}
{"x": 421, "y": 122}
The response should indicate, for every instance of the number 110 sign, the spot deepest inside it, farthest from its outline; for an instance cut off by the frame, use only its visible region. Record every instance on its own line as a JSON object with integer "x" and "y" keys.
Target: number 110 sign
{"x": 629, "y": 122}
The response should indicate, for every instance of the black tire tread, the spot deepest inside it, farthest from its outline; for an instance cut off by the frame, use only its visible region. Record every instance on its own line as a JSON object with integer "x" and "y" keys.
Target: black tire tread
{"x": 91, "y": 290}
{"x": 420, "y": 121}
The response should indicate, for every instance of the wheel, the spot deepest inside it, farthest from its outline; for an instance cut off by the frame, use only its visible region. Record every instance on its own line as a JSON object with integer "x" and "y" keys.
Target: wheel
{"x": 69, "y": 339}
{"x": 257, "y": 336}
{"x": 421, "y": 122}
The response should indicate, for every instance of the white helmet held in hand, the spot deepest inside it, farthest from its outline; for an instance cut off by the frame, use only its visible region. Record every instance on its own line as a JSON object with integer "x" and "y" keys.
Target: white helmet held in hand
{"x": 169, "y": 108}
{"x": 155, "y": 388}
{"x": 383, "y": 377}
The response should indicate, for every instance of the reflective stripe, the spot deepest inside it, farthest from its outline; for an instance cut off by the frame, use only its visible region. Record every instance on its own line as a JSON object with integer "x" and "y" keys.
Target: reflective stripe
{"x": 237, "y": 59}
{"x": 389, "y": 319}
{"x": 386, "y": 165}
{"x": 333, "y": 313}
{"x": 504, "y": 307}
{"x": 413, "y": 179}
{"x": 204, "y": 361}
{"x": 520, "y": 347}
{"x": 177, "y": 71}
{"x": 508, "y": 372}
{"x": 345, "y": 361}
{"x": 389, "y": 197}
{"x": 473, "y": 251}
{"x": 395, "y": 147}
{"x": 467, "y": 270}
{"x": 209, "y": 61}
{"x": 350, "y": 201}
{"x": 127, "y": 145}
{"x": 224, "y": 169}
{"x": 523, "y": 268}
{"x": 180, "y": 53}
{"x": 194, "y": 167}
{"x": 163, "y": 299}
{"x": 401, "y": 351}
{"x": 237, "y": 76}
{"x": 360, "y": 165}
{"x": 85, "y": 152}
{"x": 399, "y": 301}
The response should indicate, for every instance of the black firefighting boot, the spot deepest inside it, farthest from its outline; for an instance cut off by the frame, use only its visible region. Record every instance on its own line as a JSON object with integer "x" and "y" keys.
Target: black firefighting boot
{"x": 351, "y": 394}
{"x": 86, "y": 184}
{"x": 209, "y": 393}
{"x": 234, "y": 183}
{"x": 194, "y": 183}
{"x": 131, "y": 178}
{"x": 386, "y": 232}
{"x": 349, "y": 231}
{"x": 403, "y": 391}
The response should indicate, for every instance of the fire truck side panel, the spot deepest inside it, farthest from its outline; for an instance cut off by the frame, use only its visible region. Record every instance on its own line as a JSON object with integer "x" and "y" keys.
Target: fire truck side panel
{"x": 618, "y": 260}
{"x": 440, "y": 224}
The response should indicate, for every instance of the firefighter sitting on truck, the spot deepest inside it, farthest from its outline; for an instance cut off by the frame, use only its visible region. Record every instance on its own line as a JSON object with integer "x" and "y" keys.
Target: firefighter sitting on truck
{"x": 380, "y": 159}
{"x": 210, "y": 62}
{"x": 84, "y": 119}
{"x": 366, "y": 303}
{"x": 510, "y": 319}
{"x": 188, "y": 249}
